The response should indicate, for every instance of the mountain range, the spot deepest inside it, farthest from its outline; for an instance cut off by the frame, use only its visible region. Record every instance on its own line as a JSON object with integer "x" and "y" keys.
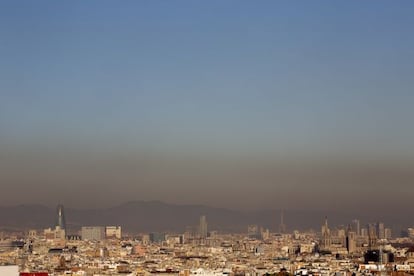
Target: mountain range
{"x": 148, "y": 216}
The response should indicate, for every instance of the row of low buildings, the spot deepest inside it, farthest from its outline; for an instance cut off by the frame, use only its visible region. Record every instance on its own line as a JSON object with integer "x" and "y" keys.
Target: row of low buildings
{"x": 234, "y": 254}
{"x": 86, "y": 233}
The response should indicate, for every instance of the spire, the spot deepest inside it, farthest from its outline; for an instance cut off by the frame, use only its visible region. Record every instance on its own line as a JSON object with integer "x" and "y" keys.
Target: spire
{"x": 326, "y": 235}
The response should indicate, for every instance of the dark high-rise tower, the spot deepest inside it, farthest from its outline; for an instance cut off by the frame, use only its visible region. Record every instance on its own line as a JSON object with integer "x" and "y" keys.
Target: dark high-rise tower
{"x": 61, "y": 222}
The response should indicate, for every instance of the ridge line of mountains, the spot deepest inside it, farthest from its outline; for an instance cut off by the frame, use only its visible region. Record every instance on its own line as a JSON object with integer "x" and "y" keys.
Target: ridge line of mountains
{"x": 156, "y": 216}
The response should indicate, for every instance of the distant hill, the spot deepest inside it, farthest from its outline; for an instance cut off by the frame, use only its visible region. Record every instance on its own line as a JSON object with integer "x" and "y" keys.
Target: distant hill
{"x": 26, "y": 216}
{"x": 147, "y": 216}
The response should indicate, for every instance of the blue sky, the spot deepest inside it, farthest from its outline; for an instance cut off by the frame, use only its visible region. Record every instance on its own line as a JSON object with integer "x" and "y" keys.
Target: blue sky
{"x": 264, "y": 71}
{"x": 283, "y": 78}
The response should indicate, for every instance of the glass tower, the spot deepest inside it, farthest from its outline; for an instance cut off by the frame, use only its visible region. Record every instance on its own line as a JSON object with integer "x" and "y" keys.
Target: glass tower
{"x": 61, "y": 222}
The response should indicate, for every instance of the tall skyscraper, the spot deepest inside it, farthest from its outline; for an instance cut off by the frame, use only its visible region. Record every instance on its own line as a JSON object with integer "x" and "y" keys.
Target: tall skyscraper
{"x": 61, "y": 222}
{"x": 203, "y": 227}
{"x": 372, "y": 236}
{"x": 350, "y": 240}
{"x": 364, "y": 232}
{"x": 356, "y": 227}
{"x": 380, "y": 230}
{"x": 388, "y": 233}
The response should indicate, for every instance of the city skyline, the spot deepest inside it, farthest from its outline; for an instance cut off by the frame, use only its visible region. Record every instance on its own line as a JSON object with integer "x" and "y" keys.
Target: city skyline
{"x": 236, "y": 105}
{"x": 164, "y": 217}
{"x": 108, "y": 250}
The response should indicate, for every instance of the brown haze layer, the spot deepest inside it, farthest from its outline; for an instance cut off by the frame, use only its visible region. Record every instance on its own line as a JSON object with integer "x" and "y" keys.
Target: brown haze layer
{"x": 105, "y": 179}
{"x": 147, "y": 216}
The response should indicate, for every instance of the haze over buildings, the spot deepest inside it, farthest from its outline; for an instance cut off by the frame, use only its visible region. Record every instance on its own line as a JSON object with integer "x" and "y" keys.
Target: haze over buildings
{"x": 241, "y": 105}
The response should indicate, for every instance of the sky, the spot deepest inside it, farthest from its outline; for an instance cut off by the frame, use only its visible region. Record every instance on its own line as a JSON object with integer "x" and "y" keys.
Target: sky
{"x": 235, "y": 104}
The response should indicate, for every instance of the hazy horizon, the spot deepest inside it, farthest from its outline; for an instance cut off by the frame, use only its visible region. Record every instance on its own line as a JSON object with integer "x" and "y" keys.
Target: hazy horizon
{"x": 235, "y": 104}
{"x": 161, "y": 216}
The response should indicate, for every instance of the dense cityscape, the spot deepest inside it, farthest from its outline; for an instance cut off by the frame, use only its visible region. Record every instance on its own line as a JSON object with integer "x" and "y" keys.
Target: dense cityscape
{"x": 352, "y": 249}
